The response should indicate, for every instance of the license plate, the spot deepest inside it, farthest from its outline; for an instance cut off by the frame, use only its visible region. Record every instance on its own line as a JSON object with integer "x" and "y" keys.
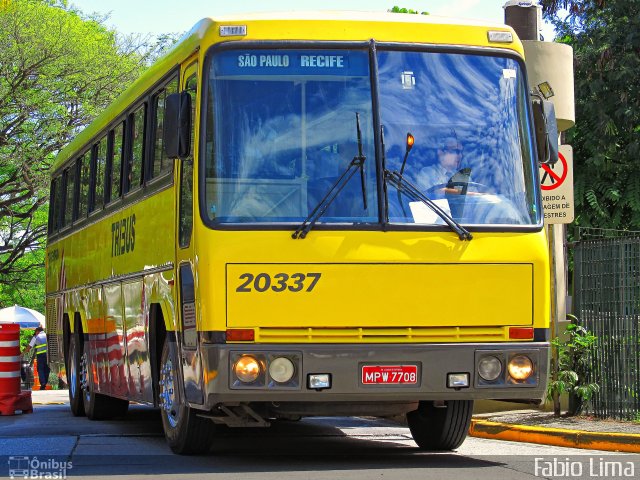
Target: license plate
{"x": 389, "y": 374}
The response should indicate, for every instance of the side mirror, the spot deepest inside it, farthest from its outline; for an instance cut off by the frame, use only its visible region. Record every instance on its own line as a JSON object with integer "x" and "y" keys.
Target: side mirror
{"x": 544, "y": 118}
{"x": 177, "y": 125}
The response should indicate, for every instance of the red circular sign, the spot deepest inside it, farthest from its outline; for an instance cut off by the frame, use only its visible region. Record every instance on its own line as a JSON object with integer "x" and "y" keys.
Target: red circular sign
{"x": 554, "y": 179}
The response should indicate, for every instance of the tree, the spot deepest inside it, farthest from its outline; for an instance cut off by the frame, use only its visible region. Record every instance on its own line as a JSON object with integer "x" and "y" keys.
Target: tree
{"x": 605, "y": 36}
{"x": 397, "y": 9}
{"x": 156, "y": 47}
{"x": 574, "y": 7}
{"x": 57, "y": 71}
{"x": 24, "y": 284}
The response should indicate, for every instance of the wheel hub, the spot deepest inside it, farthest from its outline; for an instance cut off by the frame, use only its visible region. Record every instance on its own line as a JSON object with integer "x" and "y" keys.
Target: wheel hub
{"x": 84, "y": 375}
{"x": 168, "y": 400}
{"x": 72, "y": 371}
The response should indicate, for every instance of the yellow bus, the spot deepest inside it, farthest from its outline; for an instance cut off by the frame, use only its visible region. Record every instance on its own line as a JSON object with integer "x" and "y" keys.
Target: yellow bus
{"x": 305, "y": 214}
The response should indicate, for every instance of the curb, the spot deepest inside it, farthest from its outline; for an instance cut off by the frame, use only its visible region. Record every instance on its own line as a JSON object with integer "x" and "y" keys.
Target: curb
{"x": 559, "y": 437}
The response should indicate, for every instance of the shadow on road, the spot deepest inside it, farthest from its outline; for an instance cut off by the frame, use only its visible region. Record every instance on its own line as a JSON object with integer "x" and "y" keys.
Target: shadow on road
{"x": 134, "y": 445}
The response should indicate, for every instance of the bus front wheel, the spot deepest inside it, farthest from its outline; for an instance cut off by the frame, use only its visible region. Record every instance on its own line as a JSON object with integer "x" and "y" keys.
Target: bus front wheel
{"x": 440, "y": 427}
{"x": 186, "y": 433}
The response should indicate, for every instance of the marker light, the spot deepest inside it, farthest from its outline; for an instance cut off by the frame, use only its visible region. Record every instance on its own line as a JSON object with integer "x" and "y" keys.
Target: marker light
{"x": 233, "y": 30}
{"x": 489, "y": 368}
{"x": 410, "y": 141}
{"x": 457, "y": 380}
{"x": 521, "y": 333}
{"x": 241, "y": 335}
{"x": 247, "y": 369}
{"x": 520, "y": 367}
{"x": 498, "y": 36}
{"x": 319, "y": 381}
{"x": 281, "y": 369}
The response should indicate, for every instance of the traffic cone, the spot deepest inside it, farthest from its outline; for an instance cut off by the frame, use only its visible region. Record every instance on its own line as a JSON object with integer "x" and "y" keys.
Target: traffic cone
{"x": 12, "y": 400}
{"x": 36, "y": 377}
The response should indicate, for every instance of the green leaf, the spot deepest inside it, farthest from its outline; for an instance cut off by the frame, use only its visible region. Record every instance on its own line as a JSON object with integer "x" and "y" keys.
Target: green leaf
{"x": 58, "y": 70}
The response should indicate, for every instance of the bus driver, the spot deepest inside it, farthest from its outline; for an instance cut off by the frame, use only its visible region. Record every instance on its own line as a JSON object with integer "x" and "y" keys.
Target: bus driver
{"x": 440, "y": 174}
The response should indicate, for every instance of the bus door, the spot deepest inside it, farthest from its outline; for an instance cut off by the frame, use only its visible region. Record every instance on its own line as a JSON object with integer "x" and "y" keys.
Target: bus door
{"x": 188, "y": 341}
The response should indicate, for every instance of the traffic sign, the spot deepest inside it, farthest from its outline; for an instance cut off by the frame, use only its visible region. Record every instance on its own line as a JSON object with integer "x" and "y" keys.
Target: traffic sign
{"x": 552, "y": 179}
{"x": 556, "y": 183}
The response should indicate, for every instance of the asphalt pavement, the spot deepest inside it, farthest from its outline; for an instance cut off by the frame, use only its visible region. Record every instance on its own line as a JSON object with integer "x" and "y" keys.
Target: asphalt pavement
{"x": 531, "y": 426}
{"x": 53, "y": 441}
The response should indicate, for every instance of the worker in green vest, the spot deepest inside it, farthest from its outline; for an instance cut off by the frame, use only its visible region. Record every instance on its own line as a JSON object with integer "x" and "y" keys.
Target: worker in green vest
{"x": 39, "y": 344}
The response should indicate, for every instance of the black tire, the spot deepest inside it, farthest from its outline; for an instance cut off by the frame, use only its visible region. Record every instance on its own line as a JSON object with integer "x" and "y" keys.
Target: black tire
{"x": 103, "y": 407}
{"x": 186, "y": 433}
{"x": 96, "y": 405}
{"x": 440, "y": 428}
{"x": 74, "y": 355}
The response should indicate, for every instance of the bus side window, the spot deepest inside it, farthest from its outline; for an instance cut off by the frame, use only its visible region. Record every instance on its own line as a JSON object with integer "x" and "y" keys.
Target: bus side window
{"x": 70, "y": 189}
{"x": 99, "y": 160}
{"x": 186, "y": 175}
{"x": 83, "y": 191}
{"x": 115, "y": 162}
{"x": 161, "y": 163}
{"x": 55, "y": 186}
{"x": 135, "y": 149}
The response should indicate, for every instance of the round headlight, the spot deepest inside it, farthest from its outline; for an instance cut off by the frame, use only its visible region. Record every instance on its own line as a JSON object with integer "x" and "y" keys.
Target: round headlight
{"x": 281, "y": 369}
{"x": 520, "y": 367}
{"x": 489, "y": 368}
{"x": 247, "y": 369}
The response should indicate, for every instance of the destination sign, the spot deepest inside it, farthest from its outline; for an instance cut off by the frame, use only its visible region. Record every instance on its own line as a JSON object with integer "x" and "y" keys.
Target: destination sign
{"x": 291, "y": 62}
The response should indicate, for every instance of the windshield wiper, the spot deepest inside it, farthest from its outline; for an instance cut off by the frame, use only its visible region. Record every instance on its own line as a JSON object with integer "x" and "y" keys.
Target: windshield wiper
{"x": 410, "y": 190}
{"x": 336, "y": 188}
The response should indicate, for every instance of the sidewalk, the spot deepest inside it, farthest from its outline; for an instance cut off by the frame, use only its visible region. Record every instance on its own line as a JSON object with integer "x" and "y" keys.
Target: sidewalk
{"x": 534, "y": 426}
{"x": 50, "y": 397}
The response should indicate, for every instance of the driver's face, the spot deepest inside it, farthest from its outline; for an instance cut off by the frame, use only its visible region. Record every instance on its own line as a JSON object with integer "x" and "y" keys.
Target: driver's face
{"x": 449, "y": 158}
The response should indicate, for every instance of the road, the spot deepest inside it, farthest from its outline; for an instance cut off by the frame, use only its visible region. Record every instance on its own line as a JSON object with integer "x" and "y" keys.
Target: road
{"x": 321, "y": 448}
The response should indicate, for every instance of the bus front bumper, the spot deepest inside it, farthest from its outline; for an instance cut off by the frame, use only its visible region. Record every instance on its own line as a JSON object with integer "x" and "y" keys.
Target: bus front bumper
{"x": 373, "y": 372}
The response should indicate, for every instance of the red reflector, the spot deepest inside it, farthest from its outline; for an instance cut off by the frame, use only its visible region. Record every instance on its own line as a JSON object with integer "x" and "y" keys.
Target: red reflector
{"x": 521, "y": 333}
{"x": 241, "y": 335}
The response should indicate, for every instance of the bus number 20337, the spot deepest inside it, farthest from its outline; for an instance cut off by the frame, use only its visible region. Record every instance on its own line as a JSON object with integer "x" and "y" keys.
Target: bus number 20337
{"x": 280, "y": 282}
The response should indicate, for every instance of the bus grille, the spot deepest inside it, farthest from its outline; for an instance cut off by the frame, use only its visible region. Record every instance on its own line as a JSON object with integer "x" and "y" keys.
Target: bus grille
{"x": 382, "y": 335}
{"x": 53, "y": 347}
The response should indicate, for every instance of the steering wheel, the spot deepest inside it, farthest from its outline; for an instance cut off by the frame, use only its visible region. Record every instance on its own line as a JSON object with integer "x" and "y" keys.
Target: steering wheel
{"x": 481, "y": 187}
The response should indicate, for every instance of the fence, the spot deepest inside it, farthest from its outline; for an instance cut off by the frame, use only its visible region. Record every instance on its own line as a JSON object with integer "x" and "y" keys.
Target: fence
{"x": 607, "y": 302}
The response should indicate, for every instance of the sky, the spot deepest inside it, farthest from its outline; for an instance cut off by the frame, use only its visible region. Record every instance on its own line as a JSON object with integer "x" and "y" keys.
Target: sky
{"x": 169, "y": 16}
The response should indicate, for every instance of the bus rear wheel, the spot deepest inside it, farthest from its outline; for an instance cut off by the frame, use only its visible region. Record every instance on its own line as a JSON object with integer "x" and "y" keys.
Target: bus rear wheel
{"x": 186, "y": 433}
{"x": 440, "y": 427}
{"x": 74, "y": 355}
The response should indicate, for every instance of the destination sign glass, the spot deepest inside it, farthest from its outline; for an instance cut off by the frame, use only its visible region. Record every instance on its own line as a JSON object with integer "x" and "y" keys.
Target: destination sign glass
{"x": 291, "y": 62}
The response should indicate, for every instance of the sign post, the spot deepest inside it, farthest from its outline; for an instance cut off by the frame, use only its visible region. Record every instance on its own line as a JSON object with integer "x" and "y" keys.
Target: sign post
{"x": 556, "y": 184}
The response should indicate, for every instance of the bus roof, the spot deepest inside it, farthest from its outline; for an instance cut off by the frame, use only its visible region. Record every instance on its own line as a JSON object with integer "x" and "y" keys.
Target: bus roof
{"x": 350, "y": 16}
{"x": 312, "y": 25}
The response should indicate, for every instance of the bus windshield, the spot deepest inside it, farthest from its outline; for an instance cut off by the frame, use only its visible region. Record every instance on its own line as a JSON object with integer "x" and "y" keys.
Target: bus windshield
{"x": 472, "y": 151}
{"x": 281, "y": 129}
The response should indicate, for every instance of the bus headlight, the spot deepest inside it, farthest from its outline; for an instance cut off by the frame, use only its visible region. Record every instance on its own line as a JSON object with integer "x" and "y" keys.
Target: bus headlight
{"x": 520, "y": 367}
{"x": 247, "y": 369}
{"x": 489, "y": 368}
{"x": 281, "y": 369}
